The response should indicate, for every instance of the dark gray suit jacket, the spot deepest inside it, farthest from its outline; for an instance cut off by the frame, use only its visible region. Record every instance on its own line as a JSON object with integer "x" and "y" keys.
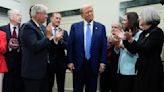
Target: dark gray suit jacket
{"x": 34, "y": 51}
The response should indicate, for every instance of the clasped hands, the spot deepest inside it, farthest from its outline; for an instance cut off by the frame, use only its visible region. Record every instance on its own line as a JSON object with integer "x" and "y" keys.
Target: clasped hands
{"x": 13, "y": 43}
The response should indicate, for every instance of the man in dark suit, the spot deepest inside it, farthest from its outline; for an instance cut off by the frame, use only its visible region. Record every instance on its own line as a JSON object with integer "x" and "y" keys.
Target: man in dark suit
{"x": 12, "y": 80}
{"x": 57, "y": 53}
{"x": 87, "y": 46}
{"x": 35, "y": 51}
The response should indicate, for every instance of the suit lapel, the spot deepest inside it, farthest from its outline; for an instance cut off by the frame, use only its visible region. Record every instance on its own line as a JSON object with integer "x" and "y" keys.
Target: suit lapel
{"x": 37, "y": 29}
{"x": 8, "y": 31}
{"x": 94, "y": 32}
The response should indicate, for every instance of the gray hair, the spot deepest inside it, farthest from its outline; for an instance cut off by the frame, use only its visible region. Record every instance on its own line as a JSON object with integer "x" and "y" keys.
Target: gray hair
{"x": 38, "y": 8}
{"x": 12, "y": 12}
{"x": 150, "y": 16}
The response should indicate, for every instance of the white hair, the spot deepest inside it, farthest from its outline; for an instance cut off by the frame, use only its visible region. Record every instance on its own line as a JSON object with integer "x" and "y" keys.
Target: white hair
{"x": 38, "y": 8}
{"x": 149, "y": 15}
{"x": 12, "y": 12}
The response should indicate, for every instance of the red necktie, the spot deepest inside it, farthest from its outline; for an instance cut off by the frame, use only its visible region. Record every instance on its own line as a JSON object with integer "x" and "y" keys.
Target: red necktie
{"x": 14, "y": 33}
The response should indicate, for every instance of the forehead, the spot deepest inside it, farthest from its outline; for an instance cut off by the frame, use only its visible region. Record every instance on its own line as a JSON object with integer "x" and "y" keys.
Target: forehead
{"x": 15, "y": 12}
{"x": 115, "y": 24}
{"x": 87, "y": 8}
{"x": 57, "y": 15}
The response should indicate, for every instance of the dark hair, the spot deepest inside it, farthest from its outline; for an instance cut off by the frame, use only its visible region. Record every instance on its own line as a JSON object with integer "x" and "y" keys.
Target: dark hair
{"x": 56, "y": 13}
{"x": 133, "y": 22}
{"x": 30, "y": 11}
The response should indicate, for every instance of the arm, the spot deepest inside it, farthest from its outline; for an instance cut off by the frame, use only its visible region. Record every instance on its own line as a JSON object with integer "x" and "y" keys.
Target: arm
{"x": 153, "y": 40}
{"x": 70, "y": 46}
{"x": 103, "y": 51}
{"x": 70, "y": 50}
{"x": 104, "y": 46}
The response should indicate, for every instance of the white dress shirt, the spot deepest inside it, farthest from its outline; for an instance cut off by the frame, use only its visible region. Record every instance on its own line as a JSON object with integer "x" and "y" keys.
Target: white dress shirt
{"x": 12, "y": 29}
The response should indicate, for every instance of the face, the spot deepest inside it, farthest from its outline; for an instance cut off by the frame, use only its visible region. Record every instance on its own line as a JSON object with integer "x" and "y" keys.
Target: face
{"x": 115, "y": 26}
{"x": 56, "y": 19}
{"x": 125, "y": 22}
{"x": 141, "y": 23}
{"x": 87, "y": 14}
{"x": 41, "y": 16}
{"x": 16, "y": 17}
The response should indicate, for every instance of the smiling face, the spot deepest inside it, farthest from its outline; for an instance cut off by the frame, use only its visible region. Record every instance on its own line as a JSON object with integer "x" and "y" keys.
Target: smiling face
{"x": 56, "y": 19}
{"x": 125, "y": 22}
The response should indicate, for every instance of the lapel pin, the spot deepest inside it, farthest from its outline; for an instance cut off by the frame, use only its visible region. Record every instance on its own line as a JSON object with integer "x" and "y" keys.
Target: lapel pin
{"x": 147, "y": 35}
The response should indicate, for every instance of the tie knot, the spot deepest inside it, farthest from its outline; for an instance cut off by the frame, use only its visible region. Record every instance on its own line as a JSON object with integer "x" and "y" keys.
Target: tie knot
{"x": 55, "y": 29}
{"x": 88, "y": 24}
{"x": 14, "y": 27}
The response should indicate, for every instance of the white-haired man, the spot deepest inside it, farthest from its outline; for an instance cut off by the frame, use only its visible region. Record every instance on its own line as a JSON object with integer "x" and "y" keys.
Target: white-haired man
{"x": 35, "y": 51}
{"x": 12, "y": 81}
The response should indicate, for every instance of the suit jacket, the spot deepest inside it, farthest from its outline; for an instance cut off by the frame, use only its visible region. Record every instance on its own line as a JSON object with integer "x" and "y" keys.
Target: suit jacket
{"x": 34, "y": 51}
{"x": 13, "y": 57}
{"x": 76, "y": 52}
{"x": 57, "y": 52}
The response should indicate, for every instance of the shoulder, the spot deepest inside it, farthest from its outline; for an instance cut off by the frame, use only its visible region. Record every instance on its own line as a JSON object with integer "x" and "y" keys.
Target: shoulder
{"x": 29, "y": 25}
{"x": 157, "y": 33}
{"x": 99, "y": 24}
{"x": 4, "y": 27}
{"x": 77, "y": 23}
{"x": 2, "y": 33}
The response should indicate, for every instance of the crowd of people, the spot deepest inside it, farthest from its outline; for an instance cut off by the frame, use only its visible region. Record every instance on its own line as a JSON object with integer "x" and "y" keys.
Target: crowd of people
{"x": 32, "y": 55}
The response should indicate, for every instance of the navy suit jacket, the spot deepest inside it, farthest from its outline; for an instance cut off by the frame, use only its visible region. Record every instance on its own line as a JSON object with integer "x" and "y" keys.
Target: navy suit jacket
{"x": 34, "y": 51}
{"x": 76, "y": 52}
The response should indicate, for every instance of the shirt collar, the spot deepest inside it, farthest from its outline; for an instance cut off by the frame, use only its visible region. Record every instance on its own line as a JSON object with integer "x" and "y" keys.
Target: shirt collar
{"x": 12, "y": 26}
{"x": 85, "y": 22}
{"x": 54, "y": 28}
{"x": 36, "y": 23}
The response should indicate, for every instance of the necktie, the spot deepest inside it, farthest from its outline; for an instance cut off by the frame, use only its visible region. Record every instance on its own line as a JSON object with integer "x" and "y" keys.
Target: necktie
{"x": 14, "y": 33}
{"x": 41, "y": 31}
{"x": 55, "y": 30}
{"x": 88, "y": 42}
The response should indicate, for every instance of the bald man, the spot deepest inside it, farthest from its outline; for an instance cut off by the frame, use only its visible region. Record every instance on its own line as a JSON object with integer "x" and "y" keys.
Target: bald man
{"x": 86, "y": 51}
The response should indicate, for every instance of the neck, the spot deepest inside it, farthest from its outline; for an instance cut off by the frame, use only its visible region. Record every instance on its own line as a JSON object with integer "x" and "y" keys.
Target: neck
{"x": 146, "y": 27}
{"x": 14, "y": 23}
{"x": 37, "y": 21}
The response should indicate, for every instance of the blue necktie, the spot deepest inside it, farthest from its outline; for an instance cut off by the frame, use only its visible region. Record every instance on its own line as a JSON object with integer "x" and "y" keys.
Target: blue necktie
{"x": 88, "y": 42}
{"x": 55, "y": 30}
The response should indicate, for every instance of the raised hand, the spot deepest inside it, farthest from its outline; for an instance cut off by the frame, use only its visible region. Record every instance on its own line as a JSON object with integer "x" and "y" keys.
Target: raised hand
{"x": 119, "y": 33}
{"x": 49, "y": 31}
